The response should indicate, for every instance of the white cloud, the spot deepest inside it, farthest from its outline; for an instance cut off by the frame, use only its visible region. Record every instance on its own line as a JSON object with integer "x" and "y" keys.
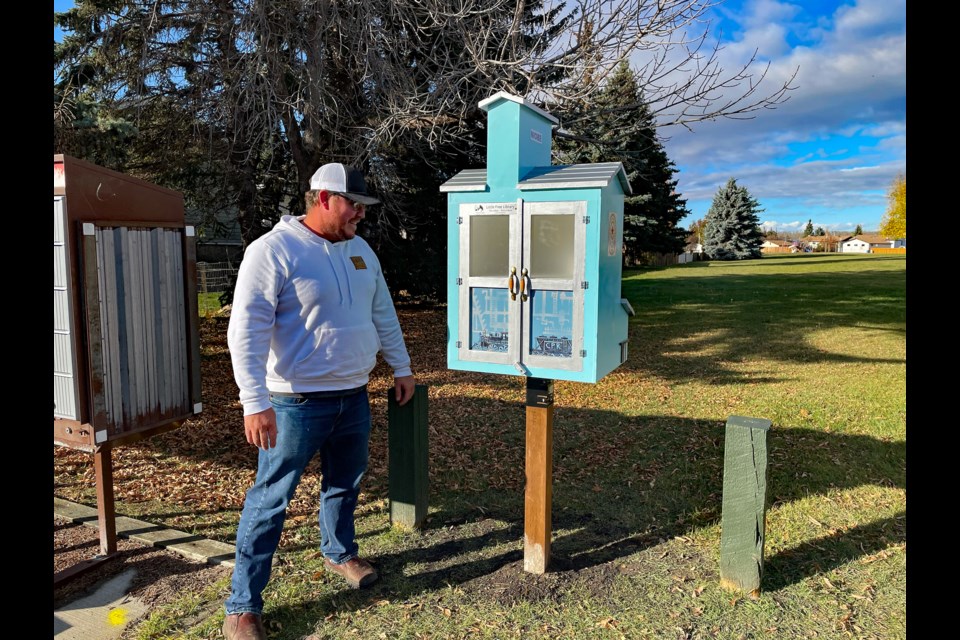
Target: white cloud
{"x": 868, "y": 16}
{"x": 851, "y": 83}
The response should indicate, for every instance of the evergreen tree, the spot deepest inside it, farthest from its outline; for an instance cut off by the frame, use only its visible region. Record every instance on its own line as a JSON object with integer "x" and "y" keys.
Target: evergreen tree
{"x": 808, "y": 230}
{"x": 820, "y": 232}
{"x": 732, "y": 231}
{"x": 237, "y": 103}
{"x": 618, "y": 127}
{"x": 858, "y": 231}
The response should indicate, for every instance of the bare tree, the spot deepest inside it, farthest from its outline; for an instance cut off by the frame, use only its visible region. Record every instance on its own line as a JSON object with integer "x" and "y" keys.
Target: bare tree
{"x": 275, "y": 87}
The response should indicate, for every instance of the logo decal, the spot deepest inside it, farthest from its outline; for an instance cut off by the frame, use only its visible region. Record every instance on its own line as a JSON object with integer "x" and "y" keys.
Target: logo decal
{"x": 358, "y": 262}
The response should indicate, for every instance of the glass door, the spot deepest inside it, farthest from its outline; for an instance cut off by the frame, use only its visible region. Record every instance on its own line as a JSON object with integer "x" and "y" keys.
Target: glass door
{"x": 489, "y": 282}
{"x": 552, "y": 284}
{"x": 521, "y": 284}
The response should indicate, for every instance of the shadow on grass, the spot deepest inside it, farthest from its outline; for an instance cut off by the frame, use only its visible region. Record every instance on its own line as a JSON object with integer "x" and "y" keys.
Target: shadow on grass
{"x": 696, "y": 330}
{"x": 833, "y": 550}
{"x": 624, "y": 482}
{"x": 621, "y": 485}
{"x": 781, "y": 570}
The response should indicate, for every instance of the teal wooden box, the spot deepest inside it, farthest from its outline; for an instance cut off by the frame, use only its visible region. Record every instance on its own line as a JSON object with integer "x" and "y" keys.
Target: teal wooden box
{"x": 534, "y": 254}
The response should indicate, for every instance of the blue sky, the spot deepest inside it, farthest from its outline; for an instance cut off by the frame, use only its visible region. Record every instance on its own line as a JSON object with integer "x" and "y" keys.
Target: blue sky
{"x": 830, "y": 153}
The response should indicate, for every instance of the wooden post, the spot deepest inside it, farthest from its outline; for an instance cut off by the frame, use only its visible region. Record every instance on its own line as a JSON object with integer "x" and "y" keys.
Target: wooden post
{"x": 537, "y": 528}
{"x": 743, "y": 520}
{"x": 106, "y": 511}
{"x": 407, "y": 458}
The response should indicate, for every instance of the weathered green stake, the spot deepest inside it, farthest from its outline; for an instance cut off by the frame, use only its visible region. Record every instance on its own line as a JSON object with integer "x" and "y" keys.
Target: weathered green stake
{"x": 743, "y": 520}
{"x": 409, "y": 483}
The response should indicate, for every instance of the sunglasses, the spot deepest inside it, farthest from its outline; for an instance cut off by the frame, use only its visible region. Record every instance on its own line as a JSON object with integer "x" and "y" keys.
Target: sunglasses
{"x": 357, "y": 206}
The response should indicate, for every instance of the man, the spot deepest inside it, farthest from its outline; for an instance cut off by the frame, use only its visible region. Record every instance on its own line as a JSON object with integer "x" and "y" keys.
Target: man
{"x": 310, "y": 312}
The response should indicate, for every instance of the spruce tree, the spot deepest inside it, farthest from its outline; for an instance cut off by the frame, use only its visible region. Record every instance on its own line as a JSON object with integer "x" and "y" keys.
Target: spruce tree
{"x": 808, "y": 230}
{"x": 858, "y": 231}
{"x": 732, "y": 231}
{"x": 619, "y": 127}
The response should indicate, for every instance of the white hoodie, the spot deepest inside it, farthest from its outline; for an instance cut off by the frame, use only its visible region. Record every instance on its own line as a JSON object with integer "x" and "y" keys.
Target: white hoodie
{"x": 309, "y": 315}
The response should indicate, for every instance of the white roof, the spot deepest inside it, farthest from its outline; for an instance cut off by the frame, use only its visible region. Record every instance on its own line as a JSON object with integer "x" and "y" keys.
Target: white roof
{"x": 503, "y": 95}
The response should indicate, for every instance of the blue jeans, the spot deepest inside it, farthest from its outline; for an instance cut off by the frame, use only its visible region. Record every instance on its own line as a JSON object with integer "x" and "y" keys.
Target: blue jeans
{"x": 337, "y": 427}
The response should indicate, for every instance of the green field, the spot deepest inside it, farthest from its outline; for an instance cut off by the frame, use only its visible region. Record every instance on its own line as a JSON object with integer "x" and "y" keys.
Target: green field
{"x": 816, "y": 343}
{"x": 208, "y": 304}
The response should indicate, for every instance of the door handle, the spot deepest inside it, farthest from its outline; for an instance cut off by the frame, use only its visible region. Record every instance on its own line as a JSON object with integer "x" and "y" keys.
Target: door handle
{"x": 525, "y": 284}
{"x": 514, "y": 283}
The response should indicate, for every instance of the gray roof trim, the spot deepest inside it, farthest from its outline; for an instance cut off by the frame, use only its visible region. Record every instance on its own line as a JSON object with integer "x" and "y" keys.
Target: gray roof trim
{"x": 573, "y": 176}
{"x": 466, "y": 180}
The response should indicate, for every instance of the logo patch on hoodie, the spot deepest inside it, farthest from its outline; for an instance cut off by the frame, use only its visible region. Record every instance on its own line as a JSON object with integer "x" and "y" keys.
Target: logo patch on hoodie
{"x": 358, "y": 262}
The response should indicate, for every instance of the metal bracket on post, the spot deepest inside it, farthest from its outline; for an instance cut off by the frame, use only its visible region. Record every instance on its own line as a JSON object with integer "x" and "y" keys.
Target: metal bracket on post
{"x": 539, "y": 392}
{"x": 537, "y": 526}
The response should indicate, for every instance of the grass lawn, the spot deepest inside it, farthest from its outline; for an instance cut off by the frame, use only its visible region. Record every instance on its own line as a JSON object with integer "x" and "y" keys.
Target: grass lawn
{"x": 208, "y": 304}
{"x": 816, "y": 343}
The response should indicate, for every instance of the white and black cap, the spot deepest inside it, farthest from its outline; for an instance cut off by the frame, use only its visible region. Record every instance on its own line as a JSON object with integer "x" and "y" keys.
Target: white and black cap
{"x": 342, "y": 179}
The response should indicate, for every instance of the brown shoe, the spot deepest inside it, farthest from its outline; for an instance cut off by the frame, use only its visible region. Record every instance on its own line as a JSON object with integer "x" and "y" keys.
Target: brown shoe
{"x": 358, "y": 572}
{"x": 244, "y": 626}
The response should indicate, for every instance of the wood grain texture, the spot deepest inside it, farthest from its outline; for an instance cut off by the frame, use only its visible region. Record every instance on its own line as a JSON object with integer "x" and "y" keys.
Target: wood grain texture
{"x": 537, "y": 528}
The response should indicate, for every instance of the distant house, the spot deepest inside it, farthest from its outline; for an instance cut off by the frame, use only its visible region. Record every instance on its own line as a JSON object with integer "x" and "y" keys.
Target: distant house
{"x": 693, "y": 245}
{"x": 776, "y": 246}
{"x": 823, "y": 243}
{"x": 867, "y": 242}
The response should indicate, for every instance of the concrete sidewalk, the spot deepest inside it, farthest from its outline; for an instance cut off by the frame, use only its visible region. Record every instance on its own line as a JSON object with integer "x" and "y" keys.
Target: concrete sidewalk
{"x": 104, "y": 613}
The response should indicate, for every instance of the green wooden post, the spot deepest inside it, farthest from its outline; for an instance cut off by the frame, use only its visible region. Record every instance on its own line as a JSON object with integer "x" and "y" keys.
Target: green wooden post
{"x": 407, "y": 458}
{"x": 743, "y": 520}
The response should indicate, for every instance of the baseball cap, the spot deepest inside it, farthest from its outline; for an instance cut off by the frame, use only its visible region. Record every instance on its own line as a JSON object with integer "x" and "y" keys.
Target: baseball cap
{"x": 342, "y": 179}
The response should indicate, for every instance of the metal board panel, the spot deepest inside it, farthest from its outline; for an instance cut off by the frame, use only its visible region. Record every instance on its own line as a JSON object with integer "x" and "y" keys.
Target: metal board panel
{"x": 62, "y": 358}
{"x": 574, "y": 176}
{"x": 175, "y": 330}
{"x": 144, "y": 324}
{"x": 64, "y": 405}
{"x": 61, "y": 311}
{"x": 60, "y": 273}
{"x": 65, "y": 386}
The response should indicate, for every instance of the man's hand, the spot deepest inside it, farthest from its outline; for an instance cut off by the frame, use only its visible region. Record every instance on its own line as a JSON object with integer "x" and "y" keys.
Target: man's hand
{"x": 261, "y": 428}
{"x": 404, "y": 386}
